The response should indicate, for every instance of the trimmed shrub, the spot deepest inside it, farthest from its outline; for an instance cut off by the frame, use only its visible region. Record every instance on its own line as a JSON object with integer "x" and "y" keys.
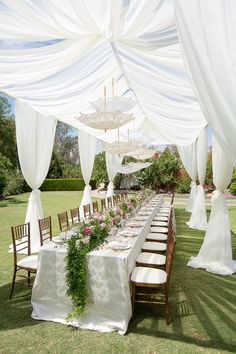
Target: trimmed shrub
{"x": 232, "y": 188}
{"x": 183, "y": 184}
{"x": 65, "y": 184}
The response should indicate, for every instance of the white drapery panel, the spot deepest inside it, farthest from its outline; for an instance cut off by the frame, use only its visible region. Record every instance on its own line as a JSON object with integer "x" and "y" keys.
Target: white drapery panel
{"x": 87, "y": 151}
{"x": 207, "y": 35}
{"x": 35, "y": 137}
{"x": 215, "y": 254}
{"x": 112, "y": 161}
{"x": 198, "y": 219}
{"x": 188, "y": 156}
{"x": 100, "y": 40}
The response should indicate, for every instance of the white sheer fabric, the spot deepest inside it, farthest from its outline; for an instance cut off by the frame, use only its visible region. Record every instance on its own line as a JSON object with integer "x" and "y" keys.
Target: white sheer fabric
{"x": 188, "y": 156}
{"x": 87, "y": 151}
{"x": 35, "y": 137}
{"x": 215, "y": 254}
{"x": 207, "y": 34}
{"x": 198, "y": 219}
{"x": 132, "y": 167}
{"x": 134, "y": 42}
{"x": 112, "y": 161}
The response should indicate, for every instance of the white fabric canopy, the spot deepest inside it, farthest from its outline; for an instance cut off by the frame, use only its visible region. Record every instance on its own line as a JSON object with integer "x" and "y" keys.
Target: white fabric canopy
{"x": 198, "y": 219}
{"x": 87, "y": 151}
{"x": 134, "y": 42}
{"x": 112, "y": 161}
{"x": 215, "y": 254}
{"x": 207, "y": 32}
{"x": 188, "y": 156}
{"x": 35, "y": 137}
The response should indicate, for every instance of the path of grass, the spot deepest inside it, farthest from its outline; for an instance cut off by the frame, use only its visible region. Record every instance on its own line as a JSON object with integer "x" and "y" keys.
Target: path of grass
{"x": 203, "y": 305}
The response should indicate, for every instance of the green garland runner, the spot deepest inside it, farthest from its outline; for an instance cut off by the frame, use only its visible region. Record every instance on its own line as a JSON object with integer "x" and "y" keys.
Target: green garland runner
{"x": 89, "y": 237}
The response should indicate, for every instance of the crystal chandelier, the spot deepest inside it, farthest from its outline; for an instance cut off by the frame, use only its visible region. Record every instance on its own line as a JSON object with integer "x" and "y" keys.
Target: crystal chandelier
{"x": 109, "y": 112}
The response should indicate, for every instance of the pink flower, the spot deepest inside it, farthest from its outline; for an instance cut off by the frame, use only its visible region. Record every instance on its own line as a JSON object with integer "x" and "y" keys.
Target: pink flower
{"x": 87, "y": 230}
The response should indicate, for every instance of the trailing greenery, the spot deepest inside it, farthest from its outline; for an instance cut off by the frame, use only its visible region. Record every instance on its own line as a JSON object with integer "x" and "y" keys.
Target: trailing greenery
{"x": 65, "y": 184}
{"x": 90, "y": 235}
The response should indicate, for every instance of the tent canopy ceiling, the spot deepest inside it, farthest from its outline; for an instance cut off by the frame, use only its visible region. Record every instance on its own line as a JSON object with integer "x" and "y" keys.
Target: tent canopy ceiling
{"x": 86, "y": 44}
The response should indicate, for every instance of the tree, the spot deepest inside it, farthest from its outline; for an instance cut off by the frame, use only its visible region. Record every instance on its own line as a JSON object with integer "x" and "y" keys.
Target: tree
{"x": 7, "y": 132}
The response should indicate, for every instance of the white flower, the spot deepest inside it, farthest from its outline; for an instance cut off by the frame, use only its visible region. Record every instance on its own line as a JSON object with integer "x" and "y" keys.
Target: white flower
{"x": 77, "y": 244}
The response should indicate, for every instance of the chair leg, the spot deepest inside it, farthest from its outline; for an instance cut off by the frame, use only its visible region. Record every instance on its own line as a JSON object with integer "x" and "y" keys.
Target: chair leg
{"x": 29, "y": 278}
{"x": 133, "y": 298}
{"x": 13, "y": 283}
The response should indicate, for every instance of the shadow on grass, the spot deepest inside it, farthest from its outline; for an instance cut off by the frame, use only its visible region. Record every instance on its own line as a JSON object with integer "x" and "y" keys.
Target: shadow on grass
{"x": 202, "y": 305}
{"x": 10, "y": 201}
{"x": 15, "y": 313}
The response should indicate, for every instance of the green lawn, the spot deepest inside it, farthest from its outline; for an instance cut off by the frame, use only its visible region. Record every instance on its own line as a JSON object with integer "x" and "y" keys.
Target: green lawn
{"x": 203, "y": 305}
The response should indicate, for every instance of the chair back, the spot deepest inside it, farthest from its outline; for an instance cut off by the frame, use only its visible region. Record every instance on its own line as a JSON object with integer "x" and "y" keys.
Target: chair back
{"x": 103, "y": 204}
{"x": 114, "y": 200}
{"x": 87, "y": 210}
{"x": 169, "y": 257}
{"x": 75, "y": 216}
{"x": 95, "y": 207}
{"x": 172, "y": 199}
{"x": 63, "y": 221}
{"x": 118, "y": 197}
{"x": 109, "y": 202}
{"x": 21, "y": 239}
{"x": 45, "y": 230}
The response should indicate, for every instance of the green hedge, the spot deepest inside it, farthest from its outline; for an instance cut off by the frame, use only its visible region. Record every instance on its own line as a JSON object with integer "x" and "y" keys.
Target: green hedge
{"x": 65, "y": 184}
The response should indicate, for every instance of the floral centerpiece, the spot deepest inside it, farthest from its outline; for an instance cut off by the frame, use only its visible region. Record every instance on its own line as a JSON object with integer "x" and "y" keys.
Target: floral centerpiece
{"x": 89, "y": 236}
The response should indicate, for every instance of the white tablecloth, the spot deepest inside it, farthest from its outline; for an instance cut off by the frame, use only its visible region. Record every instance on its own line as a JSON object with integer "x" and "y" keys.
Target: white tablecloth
{"x": 108, "y": 281}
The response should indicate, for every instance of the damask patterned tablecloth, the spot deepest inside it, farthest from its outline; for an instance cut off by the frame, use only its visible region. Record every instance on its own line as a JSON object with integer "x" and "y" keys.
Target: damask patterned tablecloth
{"x": 108, "y": 281}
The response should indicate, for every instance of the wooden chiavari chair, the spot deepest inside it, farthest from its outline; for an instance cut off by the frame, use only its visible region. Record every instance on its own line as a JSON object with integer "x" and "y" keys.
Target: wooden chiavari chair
{"x": 75, "y": 216}
{"x": 63, "y": 221}
{"x": 95, "y": 207}
{"x": 87, "y": 211}
{"x": 114, "y": 200}
{"x": 45, "y": 230}
{"x": 118, "y": 198}
{"x": 21, "y": 241}
{"x": 144, "y": 279}
{"x": 109, "y": 202}
{"x": 103, "y": 204}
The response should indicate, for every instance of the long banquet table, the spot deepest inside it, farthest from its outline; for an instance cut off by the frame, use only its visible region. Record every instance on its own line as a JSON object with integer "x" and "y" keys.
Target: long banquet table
{"x": 108, "y": 283}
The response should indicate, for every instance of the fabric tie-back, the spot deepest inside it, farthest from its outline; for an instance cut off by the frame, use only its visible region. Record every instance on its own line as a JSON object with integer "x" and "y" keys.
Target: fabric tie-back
{"x": 87, "y": 151}
{"x": 35, "y": 137}
{"x": 112, "y": 163}
{"x": 135, "y": 42}
{"x": 188, "y": 157}
{"x": 198, "y": 219}
{"x": 215, "y": 254}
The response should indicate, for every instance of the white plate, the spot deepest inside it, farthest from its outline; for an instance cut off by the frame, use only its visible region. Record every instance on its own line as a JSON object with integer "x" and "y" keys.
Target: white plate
{"x": 127, "y": 233}
{"x": 58, "y": 240}
{"x": 118, "y": 245}
{"x": 135, "y": 224}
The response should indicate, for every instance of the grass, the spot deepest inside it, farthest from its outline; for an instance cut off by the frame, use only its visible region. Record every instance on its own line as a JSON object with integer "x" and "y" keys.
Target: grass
{"x": 203, "y": 305}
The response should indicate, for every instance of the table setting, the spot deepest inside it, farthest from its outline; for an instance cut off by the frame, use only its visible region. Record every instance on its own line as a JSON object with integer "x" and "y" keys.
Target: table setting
{"x": 108, "y": 268}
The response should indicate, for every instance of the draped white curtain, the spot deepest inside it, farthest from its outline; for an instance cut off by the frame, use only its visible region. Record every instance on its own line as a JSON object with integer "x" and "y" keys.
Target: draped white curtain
{"x": 198, "y": 219}
{"x": 134, "y": 41}
{"x": 132, "y": 167}
{"x": 112, "y": 162}
{"x": 207, "y": 32}
{"x": 87, "y": 151}
{"x": 35, "y": 137}
{"x": 188, "y": 155}
{"x": 215, "y": 254}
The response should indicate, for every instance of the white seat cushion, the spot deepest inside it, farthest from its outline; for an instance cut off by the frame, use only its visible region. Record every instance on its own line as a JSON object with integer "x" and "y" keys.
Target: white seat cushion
{"x": 155, "y": 236}
{"x": 160, "y": 218}
{"x": 151, "y": 258}
{"x": 28, "y": 262}
{"x": 154, "y": 246}
{"x": 164, "y": 209}
{"x": 148, "y": 275}
{"x": 160, "y": 229}
{"x": 159, "y": 223}
{"x": 166, "y": 205}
